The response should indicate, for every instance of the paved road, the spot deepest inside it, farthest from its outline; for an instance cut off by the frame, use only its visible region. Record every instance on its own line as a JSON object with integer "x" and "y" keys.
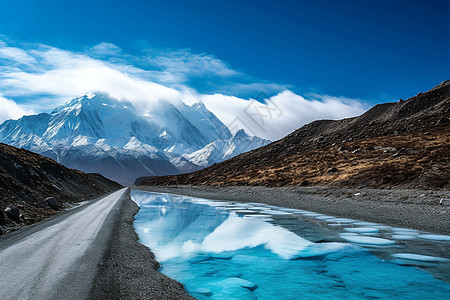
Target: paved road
{"x": 59, "y": 260}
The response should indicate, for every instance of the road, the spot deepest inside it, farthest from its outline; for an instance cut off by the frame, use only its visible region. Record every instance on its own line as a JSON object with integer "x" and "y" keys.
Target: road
{"x": 58, "y": 259}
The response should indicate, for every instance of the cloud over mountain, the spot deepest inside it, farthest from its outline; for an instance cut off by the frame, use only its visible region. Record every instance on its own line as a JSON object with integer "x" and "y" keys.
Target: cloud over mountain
{"x": 10, "y": 110}
{"x": 39, "y": 77}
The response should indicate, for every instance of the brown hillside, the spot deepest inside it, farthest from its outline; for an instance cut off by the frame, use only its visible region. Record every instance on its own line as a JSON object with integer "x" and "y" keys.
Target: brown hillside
{"x": 27, "y": 179}
{"x": 404, "y": 144}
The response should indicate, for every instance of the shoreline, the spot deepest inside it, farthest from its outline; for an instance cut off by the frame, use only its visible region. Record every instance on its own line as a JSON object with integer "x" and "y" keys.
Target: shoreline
{"x": 128, "y": 269}
{"x": 415, "y": 209}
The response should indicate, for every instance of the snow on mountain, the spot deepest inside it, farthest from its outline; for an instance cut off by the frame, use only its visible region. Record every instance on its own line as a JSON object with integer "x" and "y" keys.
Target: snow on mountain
{"x": 97, "y": 133}
{"x": 221, "y": 150}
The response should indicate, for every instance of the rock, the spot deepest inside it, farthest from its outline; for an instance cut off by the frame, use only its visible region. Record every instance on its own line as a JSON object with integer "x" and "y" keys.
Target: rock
{"x": 2, "y": 218}
{"x": 444, "y": 201}
{"x": 13, "y": 213}
{"x": 29, "y": 220}
{"x": 389, "y": 150}
{"x": 57, "y": 187}
{"x": 52, "y": 203}
{"x": 332, "y": 170}
{"x": 397, "y": 154}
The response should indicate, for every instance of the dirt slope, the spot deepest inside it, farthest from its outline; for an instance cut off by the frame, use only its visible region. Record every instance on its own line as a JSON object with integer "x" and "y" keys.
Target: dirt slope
{"x": 404, "y": 144}
{"x": 27, "y": 179}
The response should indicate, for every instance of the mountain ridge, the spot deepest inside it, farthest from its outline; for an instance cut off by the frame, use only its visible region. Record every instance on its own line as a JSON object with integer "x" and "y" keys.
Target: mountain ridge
{"x": 114, "y": 137}
{"x": 409, "y": 139}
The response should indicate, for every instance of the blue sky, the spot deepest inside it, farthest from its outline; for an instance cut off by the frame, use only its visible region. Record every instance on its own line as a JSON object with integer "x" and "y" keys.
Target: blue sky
{"x": 371, "y": 52}
{"x": 375, "y": 50}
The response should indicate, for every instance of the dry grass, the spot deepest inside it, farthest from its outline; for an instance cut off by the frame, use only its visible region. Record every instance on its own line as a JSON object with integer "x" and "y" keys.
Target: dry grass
{"x": 419, "y": 160}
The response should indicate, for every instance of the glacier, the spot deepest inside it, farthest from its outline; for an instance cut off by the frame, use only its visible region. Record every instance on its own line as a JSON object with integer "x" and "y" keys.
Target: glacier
{"x": 97, "y": 133}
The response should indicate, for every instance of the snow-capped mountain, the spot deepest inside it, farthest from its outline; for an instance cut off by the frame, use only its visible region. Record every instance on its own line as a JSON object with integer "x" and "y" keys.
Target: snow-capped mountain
{"x": 97, "y": 133}
{"x": 221, "y": 150}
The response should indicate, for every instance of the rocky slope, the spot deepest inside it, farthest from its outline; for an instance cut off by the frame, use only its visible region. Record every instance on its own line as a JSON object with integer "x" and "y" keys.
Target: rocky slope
{"x": 28, "y": 180}
{"x": 404, "y": 144}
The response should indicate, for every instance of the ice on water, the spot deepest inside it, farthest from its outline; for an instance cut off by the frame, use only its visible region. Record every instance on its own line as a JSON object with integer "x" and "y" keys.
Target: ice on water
{"x": 418, "y": 257}
{"x": 219, "y": 254}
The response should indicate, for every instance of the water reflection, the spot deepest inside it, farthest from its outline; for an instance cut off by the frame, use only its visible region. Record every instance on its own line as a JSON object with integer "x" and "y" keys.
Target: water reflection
{"x": 222, "y": 250}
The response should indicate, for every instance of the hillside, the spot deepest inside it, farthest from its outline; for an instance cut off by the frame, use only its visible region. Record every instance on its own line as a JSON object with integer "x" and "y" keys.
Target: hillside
{"x": 404, "y": 144}
{"x": 27, "y": 179}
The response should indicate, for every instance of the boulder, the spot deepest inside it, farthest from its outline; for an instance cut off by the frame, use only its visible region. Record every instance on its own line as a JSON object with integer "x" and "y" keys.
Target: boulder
{"x": 52, "y": 203}
{"x": 333, "y": 170}
{"x": 13, "y": 213}
{"x": 444, "y": 201}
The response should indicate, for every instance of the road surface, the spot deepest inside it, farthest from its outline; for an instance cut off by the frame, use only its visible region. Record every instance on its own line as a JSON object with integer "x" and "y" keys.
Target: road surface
{"x": 58, "y": 259}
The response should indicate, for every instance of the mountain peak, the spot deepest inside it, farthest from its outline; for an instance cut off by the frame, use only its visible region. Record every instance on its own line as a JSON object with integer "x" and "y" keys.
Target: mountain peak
{"x": 97, "y": 132}
{"x": 90, "y": 94}
{"x": 402, "y": 144}
{"x": 240, "y": 133}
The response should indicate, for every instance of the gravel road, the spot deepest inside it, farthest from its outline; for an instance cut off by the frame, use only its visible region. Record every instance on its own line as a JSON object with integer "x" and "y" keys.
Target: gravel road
{"x": 90, "y": 252}
{"x": 58, "y": 261}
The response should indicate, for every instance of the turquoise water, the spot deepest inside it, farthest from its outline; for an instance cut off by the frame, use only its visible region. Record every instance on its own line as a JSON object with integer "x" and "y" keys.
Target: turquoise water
{"x": 223, "y": 250}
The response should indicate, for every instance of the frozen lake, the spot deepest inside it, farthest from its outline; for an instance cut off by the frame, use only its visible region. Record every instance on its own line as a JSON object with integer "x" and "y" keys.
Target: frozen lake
{"x": 225, "y": 250}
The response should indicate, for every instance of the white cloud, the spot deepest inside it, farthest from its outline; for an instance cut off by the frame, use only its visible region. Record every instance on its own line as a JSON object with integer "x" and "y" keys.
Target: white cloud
{"x": 10, "y": 110}
{"x": 280, "y": 114}
{"x": 16, "y": 55}
{"x": 66, "y": 75}
{"x": 105, "y": 49}
{"x": 183, "y": 63}
{"x": 255, "y": 87}
{"x": 49, "y": 76}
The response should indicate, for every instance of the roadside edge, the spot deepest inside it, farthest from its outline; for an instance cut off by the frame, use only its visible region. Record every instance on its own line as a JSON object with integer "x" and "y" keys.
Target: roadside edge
{"x": 128, "y": 269}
